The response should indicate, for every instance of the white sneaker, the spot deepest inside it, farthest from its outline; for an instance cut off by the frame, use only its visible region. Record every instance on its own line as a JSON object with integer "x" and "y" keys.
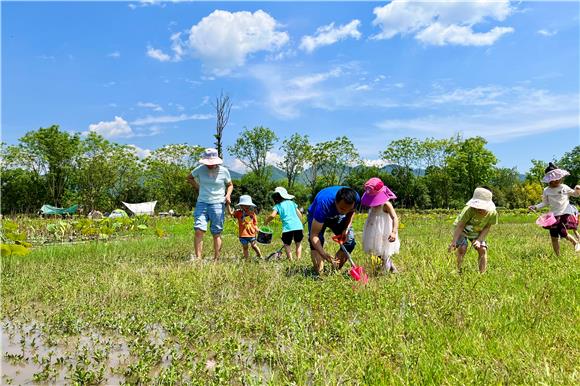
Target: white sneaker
{"x": 577, "y": 247}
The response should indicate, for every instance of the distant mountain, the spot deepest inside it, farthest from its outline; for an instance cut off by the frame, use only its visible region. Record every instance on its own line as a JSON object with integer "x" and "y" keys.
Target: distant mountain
{"x": 235, "y": 175}
{"x": 277, "y": 174}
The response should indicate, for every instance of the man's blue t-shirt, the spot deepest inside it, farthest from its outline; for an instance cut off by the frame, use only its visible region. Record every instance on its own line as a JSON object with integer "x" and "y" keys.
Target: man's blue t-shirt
{"x": 323, "y": 208}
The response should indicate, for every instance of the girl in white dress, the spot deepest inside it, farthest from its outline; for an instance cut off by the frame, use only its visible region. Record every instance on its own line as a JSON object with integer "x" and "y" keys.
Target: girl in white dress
{"x": 380, "y": 233}
{"x": 556, "y": 196}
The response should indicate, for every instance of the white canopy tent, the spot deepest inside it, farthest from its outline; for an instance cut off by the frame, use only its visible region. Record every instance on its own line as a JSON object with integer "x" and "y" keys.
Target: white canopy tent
{"x": 142, "y": 207}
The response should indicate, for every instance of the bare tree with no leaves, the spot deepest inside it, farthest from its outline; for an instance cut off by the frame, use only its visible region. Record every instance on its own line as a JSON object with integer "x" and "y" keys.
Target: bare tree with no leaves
{"x": 222, "y": 107}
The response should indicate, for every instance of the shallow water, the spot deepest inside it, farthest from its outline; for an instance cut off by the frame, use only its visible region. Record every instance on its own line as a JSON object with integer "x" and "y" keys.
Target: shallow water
{"x": 29, "y": 358}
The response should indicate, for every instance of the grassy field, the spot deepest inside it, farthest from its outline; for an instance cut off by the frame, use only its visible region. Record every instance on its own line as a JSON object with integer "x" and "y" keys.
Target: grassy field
{"x": 136, "y": 311}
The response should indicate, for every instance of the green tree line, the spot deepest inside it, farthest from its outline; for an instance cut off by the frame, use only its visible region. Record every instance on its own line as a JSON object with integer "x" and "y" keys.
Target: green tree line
{"x": 61, "y": 168}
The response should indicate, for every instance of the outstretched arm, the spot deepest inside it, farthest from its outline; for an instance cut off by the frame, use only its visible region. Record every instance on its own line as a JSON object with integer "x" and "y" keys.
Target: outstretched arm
{"x": 271, "y": 217}
{"x": 315, "y": 239}
{"x": 456, "y": 235}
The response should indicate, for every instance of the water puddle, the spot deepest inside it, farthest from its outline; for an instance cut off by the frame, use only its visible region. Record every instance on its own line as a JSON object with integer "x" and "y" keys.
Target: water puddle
{"x": 29, "y": 357}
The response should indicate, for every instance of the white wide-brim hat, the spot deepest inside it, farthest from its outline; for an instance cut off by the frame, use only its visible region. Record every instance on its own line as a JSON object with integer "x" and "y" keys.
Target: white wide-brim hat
{"x": 482, "y": 200}
{"x": 283, "y": 193}
{"x": 555, "y": 175}
{"x": 210, "y": 157}
{"x": 245, "y": 200}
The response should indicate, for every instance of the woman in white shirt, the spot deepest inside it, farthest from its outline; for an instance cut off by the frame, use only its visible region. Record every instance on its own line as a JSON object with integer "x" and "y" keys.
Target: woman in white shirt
{"x": 556, "y": 196}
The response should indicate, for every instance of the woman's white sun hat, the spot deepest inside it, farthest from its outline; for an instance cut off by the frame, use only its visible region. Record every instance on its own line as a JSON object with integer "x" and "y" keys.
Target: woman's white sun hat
{"x": 210, "y": 157}
{"x": 245, "y": 200}
{"x": 482, "y": 200}
{"x": 283, "y": 193}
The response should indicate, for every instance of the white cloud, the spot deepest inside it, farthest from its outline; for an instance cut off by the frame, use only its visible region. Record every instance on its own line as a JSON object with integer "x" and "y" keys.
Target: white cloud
{"x": 360, "y": 87}
{"x": 374, "y": 162}
{"x": 177, "y": 46}
{"x": 111, "y": 129}
{"x": 285, "y": 93}
{"x": 170, "y": 119}
{"x": 110, "y": 84}
{"x": 328, "y": 34}
{"x": 114, "y": 55}
{"x": 223, "y": 40}
{"x": 307, "y": 81}
{"x": 442, "y": 23}
{"x": 274, "y": 158}
{"x": 237, "y": 166}
{"x": 158, "y": 54}
{"x": 547, "y": 33}
{"x": 440, "y": 35}
{"x": 139, "y": 152}
{"x": 477, "y": 96}
{"x": 149, "y": 105}
{"x": 495, "y": 113}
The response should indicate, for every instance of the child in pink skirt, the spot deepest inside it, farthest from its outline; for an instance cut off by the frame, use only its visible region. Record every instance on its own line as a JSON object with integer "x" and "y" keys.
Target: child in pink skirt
{"x": 556, "y": 196}
{"x": 380, "y": 233}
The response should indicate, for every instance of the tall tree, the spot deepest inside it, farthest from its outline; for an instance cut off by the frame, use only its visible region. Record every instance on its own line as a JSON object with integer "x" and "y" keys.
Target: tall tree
{"x": 51, "y": 153}
{"x": 252, "y": 147}
{"x": 536, "y": 172}
{"x": 505, "y": 182}
{"x": 97, "y": 172}
{"x": 166, "y": 171}
{"x": 296, "y": 150}
{"x": 222, "y": 106}
{"x": 406, "y": 153}
{"x": 339, "y": 156}
{"x": 470, "y": 164}
{"x": 571, "y": 162}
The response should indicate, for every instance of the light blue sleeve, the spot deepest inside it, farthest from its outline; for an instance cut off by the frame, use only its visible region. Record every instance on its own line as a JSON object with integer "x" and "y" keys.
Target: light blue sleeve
{"x": 195, "y": 172}
{"x": 227, "y": 175}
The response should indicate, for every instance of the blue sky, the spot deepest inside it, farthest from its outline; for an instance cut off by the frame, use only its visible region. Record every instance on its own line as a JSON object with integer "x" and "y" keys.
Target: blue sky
{"x": 144, "y": 73}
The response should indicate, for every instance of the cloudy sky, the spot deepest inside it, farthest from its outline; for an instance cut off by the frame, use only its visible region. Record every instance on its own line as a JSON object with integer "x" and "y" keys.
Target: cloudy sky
{"x": 145, "y": 73}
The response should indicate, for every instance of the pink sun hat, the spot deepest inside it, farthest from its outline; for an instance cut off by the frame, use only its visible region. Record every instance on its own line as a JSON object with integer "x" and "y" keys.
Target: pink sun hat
{"x": 555, "y": 175}
{"x": 376, "y": 193}
{"x": 210, "y": 157}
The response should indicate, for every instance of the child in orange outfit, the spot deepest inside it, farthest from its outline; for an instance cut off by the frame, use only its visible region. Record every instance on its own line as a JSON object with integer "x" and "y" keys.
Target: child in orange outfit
{"x": 247, "y": 224}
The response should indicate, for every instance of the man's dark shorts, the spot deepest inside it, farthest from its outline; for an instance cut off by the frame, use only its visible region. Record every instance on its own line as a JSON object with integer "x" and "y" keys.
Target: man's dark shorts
{"x": 337, "y": 225}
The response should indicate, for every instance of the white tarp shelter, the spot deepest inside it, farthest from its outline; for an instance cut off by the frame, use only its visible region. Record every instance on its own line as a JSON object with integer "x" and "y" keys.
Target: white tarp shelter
{"x": 142, "y": 207}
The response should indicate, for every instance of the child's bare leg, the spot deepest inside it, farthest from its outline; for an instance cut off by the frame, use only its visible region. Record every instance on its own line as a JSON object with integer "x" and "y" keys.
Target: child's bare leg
{"x": 246, "y": 254}
{"x": 556, "y": 245}
{"x": 256, "y": 249}
{"x": 288, "y": 251}
{"x": 298, "y": 251}
{"x": 482, "y": 251}
{"x": 460, "y": 253}
{"x": 571, "y": 239}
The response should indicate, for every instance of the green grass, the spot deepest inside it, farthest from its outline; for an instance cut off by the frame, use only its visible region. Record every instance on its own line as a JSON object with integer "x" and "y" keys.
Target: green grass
{"x": 248, "y": 322}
